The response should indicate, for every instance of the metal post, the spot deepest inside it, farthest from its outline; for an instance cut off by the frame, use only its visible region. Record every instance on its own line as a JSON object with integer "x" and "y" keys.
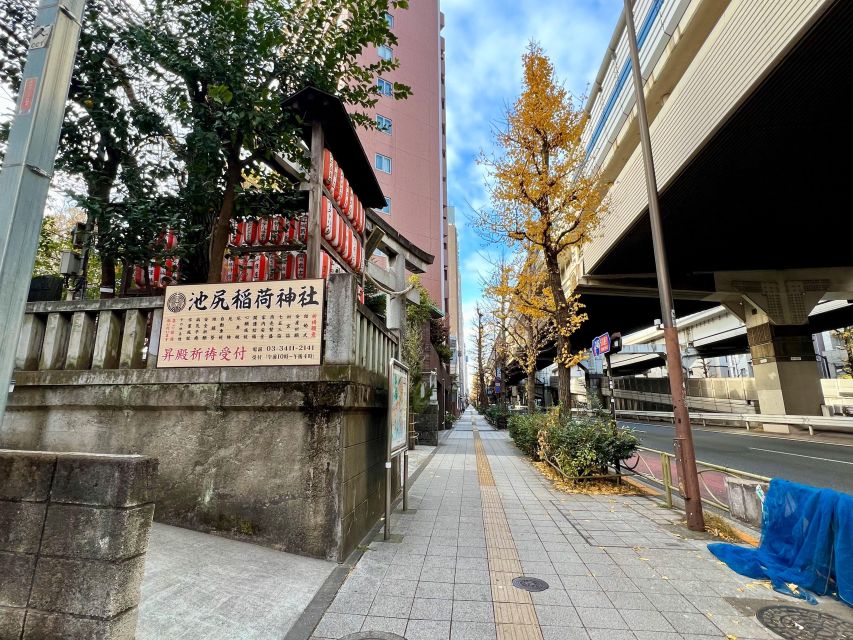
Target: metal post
{"x": 687, "y": 456}
{"x": 387, "y": 534}
{"x": 666, "y": 469}
{"x": 28, "y": 167}
{"x": 405, "y": 480}
{"x": 612, "y": 388}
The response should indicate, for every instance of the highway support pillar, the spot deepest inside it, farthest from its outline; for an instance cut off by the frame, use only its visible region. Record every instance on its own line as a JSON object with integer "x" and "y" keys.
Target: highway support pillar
{"x": 787, "y": 375}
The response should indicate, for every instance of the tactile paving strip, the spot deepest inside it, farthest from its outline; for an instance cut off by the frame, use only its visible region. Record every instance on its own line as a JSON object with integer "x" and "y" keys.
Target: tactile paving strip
{"x": 515, "y": 616}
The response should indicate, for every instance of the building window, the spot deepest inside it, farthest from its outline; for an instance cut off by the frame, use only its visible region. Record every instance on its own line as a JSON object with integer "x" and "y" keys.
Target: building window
{"x": 385, "y": 87}
{"x": 385, "y": 52}
{"x": 389, "y": 19}
{"x": 383, "y": 163}
{"x": 383, "y": 124}
{"x": 387, "y": 207}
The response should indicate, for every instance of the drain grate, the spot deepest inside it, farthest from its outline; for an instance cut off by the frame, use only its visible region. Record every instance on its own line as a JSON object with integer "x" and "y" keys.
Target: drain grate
{"x": 794, "y": 623}
{"x": 529, "y": 584}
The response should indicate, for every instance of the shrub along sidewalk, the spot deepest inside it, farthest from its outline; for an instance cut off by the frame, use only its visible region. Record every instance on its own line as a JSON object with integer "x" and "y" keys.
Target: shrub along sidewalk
{"x": 583, "y": 446}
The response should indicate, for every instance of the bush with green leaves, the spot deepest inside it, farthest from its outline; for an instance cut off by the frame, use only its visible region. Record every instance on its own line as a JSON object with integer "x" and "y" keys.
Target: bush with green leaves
{"x": 496, "y": 415}
{"x": 524, "y": 429}
{"x": 586, "y": 446}
{"x": 580, "y": 447}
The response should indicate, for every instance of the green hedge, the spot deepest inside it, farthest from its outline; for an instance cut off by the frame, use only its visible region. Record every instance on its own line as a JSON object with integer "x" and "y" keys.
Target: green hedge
{"x": 582, "y": 446}
{"x": 496, "y": 416}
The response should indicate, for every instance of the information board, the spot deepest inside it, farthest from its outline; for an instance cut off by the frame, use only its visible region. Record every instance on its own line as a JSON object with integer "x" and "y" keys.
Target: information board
{"x": 398, "y": 406}
{"x": 247, "y": 324}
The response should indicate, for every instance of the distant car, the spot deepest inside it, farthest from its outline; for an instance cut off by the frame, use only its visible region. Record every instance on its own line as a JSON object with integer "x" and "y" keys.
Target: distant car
{"x": 848, "y": 411}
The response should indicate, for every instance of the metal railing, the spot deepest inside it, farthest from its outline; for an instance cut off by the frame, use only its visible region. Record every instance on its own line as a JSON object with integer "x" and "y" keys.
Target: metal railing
{"x": 812, "y": 423}
{"x": 709, "y": 496}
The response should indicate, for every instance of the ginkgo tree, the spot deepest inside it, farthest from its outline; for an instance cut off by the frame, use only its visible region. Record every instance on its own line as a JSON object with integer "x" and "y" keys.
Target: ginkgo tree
{"x": 542, "y": 197}
{"x": 527, "y": 306}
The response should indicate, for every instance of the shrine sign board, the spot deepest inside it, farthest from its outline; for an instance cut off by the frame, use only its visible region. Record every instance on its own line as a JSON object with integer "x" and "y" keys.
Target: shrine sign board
{"x": 398, "y": 407}
{"x": 248, "y": 324}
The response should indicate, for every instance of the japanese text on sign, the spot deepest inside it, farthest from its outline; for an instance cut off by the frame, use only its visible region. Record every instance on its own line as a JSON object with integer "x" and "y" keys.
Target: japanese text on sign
{"x": 242, "y": 325}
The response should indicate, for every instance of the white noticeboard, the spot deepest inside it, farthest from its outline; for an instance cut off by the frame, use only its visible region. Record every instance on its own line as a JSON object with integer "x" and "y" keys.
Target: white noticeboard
{"x": 242, "y": 325}
{"x": 398, "y": 407}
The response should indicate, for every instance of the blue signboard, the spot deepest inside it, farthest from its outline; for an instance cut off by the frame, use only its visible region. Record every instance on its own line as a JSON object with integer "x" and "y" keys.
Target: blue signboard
{"x": 601, "y": 345}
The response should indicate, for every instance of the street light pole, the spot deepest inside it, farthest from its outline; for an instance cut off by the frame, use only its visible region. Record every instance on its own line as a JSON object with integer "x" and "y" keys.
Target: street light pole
{"x": 28, "y": 166}
{"x": 684, "y": 453}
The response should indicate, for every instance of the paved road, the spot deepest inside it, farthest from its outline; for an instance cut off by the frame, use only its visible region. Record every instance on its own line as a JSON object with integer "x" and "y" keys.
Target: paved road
{"x": 814, "y": 463}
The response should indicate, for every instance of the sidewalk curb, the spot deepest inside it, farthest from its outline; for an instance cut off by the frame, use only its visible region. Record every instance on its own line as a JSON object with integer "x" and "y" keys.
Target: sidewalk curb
{"x": 322, "y": 600}
{"x": 651, "y": 492}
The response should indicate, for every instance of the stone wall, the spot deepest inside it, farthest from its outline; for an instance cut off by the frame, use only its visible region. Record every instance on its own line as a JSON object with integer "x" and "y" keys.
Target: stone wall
{"x": 289, "y": 457}
{"x": 74, "y": 530}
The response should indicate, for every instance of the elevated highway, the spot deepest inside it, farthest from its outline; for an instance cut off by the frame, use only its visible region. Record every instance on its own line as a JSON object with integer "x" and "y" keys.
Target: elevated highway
{"x": 748, "y": 102}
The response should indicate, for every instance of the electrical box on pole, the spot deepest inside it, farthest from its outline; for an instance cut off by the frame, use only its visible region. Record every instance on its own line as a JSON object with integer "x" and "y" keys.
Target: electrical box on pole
{"x": 28, "y": 166}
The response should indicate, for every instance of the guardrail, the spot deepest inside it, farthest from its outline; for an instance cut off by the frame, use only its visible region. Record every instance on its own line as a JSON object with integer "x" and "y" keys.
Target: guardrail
{"x": 711, "y": 495}
{"x": 825, "y": 423}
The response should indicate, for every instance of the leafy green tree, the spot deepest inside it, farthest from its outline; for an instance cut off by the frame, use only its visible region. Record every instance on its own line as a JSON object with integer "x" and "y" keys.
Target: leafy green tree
{"x": 52, "y": 241}
{"x": 113, "y": 140}
{"x": 226, "y": 66}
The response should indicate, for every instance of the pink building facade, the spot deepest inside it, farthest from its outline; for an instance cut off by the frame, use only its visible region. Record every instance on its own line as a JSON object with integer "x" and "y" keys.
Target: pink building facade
{"x": 408, "y": 153}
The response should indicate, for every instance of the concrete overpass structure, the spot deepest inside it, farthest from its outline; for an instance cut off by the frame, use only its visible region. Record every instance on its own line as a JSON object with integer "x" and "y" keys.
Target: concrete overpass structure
{"x": 748, "y": 107}
{"x": 706, "y": 334}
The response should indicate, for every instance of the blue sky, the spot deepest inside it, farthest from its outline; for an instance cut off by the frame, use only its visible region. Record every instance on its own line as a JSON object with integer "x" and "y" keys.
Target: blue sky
{"x": 484, "y": 45}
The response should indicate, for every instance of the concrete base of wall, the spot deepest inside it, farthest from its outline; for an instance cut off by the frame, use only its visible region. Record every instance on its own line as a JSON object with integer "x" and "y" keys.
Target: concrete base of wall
{"x": 73, "y": 535}
{"x": 255, "y": 454}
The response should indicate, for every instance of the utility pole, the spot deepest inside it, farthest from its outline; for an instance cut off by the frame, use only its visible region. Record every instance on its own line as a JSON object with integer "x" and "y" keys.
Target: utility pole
{"x": 28, "y": 167}
{"x": 685, "y": 456}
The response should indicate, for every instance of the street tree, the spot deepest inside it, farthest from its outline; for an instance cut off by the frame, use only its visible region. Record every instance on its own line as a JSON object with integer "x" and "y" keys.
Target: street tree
{"x": 227, "y": 66}
{"x": 542, "y": 197}
{"x": 113, "y": 137}
{"x": 480, "y": 343}
{"x": 521, "y": 286}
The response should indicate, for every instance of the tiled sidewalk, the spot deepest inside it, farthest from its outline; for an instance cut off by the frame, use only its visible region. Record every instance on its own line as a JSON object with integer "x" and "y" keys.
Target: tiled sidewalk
{"x": 617, "y": 567}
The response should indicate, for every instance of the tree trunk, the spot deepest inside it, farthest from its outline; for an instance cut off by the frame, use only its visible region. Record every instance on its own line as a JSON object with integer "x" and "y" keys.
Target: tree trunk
{"x": 564, "y": 385}
{"x": 100, "y": 187}
{"x": 108, "y": 277}
{"x": 222, "y": 224}
{"x": 564, "y": 347}
{"x": 531, "y": 391}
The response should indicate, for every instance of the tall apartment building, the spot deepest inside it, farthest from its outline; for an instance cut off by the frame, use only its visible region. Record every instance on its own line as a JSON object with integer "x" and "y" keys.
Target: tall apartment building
{"x": 457, "y": 322}
{"x": 408, "y": 150}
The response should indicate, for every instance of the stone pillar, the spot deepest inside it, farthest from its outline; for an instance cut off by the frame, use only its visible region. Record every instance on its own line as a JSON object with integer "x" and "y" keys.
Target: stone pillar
{"x": 787, "y": 376}
{"x": 133, "y": 340}
{"x": 107, "y": 341}
{"x": 55, "y": 344}
{"x": 341, "y": 329}
{"x": 80, "y": 342}
{"x": 30, "y": 342}
{"x": 74, "y": 530}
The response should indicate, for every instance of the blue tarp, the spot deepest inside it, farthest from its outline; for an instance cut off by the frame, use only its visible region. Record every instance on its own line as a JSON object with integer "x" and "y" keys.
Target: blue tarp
{"x": 806, "y": 539}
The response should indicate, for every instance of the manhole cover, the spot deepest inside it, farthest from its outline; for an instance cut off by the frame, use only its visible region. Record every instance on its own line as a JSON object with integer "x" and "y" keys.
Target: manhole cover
{"x": 529, "y": 584}
{"x": 794, "y": 623}
{"x": 373, "y": 635}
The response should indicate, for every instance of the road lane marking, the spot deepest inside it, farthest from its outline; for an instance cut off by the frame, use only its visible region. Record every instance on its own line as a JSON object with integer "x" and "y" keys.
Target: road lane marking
{"x": 800, "y": 455}
{"x": 731, "y": 431}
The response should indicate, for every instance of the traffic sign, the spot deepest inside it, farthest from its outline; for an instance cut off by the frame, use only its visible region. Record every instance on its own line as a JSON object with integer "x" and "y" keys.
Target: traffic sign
{"x": 601, "y": 345}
